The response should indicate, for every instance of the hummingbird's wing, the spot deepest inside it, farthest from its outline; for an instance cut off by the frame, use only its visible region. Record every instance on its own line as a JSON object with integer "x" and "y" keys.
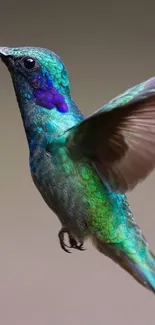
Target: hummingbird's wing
{"x": 119, "y": 138}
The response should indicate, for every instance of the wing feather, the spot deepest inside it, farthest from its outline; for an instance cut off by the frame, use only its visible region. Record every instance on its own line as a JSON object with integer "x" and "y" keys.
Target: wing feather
{"x": 120, "y": 137}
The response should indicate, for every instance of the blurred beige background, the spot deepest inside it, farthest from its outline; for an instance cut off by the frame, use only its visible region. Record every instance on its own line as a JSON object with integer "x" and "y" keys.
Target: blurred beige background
{"x": 107, "y": 47}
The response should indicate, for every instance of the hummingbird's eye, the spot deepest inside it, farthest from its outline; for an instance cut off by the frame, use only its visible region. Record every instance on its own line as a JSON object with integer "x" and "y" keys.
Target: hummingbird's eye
{"x": 29, "y": 63}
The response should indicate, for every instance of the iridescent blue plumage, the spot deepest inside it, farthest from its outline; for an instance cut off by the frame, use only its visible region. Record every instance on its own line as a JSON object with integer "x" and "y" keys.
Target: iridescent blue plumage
{"x": 84, "y": 166}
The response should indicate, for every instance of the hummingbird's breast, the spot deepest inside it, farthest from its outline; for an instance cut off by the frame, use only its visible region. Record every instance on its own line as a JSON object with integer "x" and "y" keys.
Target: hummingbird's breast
{"x": 74, "y": 191}
{"x": 56, "y": 177}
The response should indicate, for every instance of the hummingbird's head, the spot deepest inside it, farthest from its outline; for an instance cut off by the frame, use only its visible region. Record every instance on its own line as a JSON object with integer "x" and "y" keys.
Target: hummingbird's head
{"x": 39, "y": 76}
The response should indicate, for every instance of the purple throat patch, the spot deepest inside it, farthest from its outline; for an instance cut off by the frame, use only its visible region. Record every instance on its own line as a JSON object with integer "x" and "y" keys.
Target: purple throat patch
{"x": 50, "y": 98}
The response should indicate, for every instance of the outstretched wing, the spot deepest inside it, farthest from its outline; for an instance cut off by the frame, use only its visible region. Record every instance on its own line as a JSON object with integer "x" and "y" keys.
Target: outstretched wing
{"x": 119, "y": 138}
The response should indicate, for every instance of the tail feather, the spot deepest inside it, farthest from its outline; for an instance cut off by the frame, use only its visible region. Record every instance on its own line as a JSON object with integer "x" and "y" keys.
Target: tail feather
{"x": 141, "y": 267}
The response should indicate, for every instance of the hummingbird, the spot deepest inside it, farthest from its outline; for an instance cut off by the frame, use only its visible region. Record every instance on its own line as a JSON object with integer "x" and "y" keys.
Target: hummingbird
{"x": 83, "y": 167}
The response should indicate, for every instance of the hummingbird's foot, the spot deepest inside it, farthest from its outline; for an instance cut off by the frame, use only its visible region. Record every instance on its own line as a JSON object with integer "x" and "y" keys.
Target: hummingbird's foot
{"x": 72, "y": 241}
{"x": 74, "y": 244}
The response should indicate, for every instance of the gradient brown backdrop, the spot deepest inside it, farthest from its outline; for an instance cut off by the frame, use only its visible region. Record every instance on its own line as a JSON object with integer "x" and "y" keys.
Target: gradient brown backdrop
{"x": 107, "y": 48}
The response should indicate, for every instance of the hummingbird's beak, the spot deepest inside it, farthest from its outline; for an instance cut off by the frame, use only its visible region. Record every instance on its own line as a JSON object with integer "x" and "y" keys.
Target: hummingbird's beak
{"x": 4, "y": 51}
{"x": 4, "y": 55}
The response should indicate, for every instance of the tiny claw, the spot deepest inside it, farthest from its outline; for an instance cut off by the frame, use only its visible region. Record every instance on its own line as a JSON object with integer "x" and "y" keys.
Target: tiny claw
{"x": 72, "y": 241}
{"x": 81, "y": 248}
{"x": 74, "y": 244}
{"x": 62, "y": 241}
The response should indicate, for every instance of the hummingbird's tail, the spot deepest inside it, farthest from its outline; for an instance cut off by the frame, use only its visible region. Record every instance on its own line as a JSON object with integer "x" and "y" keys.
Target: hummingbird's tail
{"x": 140, "y": 263}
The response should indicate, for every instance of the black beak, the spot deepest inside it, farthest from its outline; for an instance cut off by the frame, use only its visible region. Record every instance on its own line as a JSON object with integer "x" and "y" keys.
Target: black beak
{"x": 4, "y": 58}
{"x": 4, "y": 55}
